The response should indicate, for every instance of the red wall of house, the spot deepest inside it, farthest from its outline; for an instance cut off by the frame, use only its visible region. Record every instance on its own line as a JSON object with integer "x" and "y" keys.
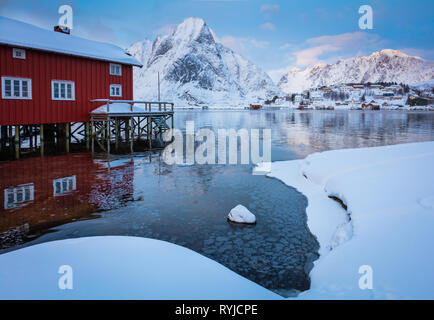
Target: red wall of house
{"x": 92, "y": 81}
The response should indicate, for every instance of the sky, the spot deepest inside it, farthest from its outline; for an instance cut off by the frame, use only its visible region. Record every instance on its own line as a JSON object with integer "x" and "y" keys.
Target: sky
{"x": 275, "y": 35}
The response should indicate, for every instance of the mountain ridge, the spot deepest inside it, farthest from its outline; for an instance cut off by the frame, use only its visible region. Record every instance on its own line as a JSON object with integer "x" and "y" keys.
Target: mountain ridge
{"x": 387, "y": 65}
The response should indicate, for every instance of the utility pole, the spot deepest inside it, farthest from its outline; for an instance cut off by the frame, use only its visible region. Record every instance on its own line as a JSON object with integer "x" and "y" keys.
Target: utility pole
{"x": 158, "y": 87}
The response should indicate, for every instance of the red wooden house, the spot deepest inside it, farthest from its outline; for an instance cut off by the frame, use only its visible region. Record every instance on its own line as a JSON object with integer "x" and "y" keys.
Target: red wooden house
{"x": 50, "y": 77}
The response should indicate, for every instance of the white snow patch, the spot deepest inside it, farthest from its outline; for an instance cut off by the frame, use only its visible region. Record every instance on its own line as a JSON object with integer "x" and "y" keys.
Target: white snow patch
{"x": 114, "y": 267}
{"x": 241, "y": 214}
{"x": 391, "y": 230}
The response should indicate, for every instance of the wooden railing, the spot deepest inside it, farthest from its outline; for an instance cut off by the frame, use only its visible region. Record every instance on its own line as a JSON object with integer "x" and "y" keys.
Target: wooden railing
{"x": 162, "y": 106}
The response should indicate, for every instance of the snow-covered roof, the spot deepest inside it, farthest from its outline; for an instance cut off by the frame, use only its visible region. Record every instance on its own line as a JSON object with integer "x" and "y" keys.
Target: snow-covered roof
{"x": 20, "y": 34}
{"x": 118, "y": 108}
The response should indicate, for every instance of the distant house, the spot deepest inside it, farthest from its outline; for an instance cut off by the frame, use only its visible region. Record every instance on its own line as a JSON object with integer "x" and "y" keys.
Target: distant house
{"x": 370, "y": 106}
{"x": 358, "y": 86}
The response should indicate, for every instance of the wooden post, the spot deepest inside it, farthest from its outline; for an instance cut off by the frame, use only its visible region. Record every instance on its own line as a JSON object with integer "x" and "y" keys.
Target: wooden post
{"x": 116, "y": 134}
{"x": 10, "y": 138}
{"x": 132, "y": 134}
{"x": 4, "y": 137}
{"x": 17, "y": 142}
{"x": 67, "y": 136}
{"x": 31, "y": 137}
{"x": 92, "y": 135}
{"x": 127, "y": 130}
{"x": 108, "y": 136}
{"x": 86, "y": 128}
{"x": 41, "y": 138}
{"x": 150, "y": 132}
{"x": 138, "y": 129}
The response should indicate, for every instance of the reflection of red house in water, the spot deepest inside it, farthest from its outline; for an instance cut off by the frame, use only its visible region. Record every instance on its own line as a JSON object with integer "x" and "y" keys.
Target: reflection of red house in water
{"x": 52, "y": 190}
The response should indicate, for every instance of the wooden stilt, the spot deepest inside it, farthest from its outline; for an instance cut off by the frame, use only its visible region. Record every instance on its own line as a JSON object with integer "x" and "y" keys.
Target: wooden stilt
{"x": 4, "y": 133}
{"x": 116, "y": 134}
{"x": 31, "y": 137}
{"x": 86, "y": 129}
{"x": 138, "y": 128}
{"x": 150, "y": 132}
{"x": 67, "y": 127}
{"x": 127, "y": 130}
{"x": 17, "y": 142}
{"x": 132, "y": 135}
{"x": 108, "y": 136}
{"x": 41, "y": 138}
{"x": 10, "y": 138}
{"x": 92, "y": 136}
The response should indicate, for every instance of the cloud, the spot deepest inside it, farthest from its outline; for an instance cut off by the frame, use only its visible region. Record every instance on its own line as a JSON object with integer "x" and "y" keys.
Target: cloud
{"x": 311, "y": 56}
{"x": 270, "y": 9}
{"x": 316, "y": 49}
{"x": 240, "y": 44}
{"x": 268, "y": 26}
{"x": 422, "y": 53}
{"x": 285, "y": 46}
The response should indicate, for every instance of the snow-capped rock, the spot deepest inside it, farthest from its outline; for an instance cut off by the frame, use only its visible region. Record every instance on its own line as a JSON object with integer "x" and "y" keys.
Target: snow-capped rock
{"x": 196, "y": 70}
{"x": 383, "y": 66}
{"x": 241, "y": 214}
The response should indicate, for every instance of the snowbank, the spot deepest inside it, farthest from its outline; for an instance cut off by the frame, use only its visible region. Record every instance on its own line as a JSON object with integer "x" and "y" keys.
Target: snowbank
{"x": 120, "y": 268}
{"x": 388, "y": 224}
{"x": 241, "y": 214}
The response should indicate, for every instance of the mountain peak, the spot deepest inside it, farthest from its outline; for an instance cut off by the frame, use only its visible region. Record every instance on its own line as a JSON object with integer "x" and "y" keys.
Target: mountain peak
{"x": 191, "y": 28}
{"x": 390, "y": 53}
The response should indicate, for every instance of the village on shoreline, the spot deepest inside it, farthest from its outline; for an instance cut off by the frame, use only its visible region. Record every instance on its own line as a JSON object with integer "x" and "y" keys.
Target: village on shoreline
{"x": 359, "y": 96}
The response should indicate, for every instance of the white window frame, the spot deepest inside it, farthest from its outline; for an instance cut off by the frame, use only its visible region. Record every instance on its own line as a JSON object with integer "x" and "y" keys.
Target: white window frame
{"x": 116, "y": 86}
{"x": 21, "y": 51}
{"x": 115, "y": 65}
{"x": 15, "y": 191}
{"x": 65, "y": 82}
{"x": 29, "y": 88}
{"x": 69, "y": 181}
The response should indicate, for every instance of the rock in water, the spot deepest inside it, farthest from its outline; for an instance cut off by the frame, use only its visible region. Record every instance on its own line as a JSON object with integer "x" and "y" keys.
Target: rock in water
{"x": 241, "y": 214}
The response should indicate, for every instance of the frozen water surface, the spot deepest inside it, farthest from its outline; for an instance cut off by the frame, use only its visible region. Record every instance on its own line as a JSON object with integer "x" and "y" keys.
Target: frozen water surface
{"x": 188, "y": 205}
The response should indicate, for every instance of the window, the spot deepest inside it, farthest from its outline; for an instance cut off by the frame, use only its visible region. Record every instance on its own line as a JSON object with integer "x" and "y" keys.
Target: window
{"x": 18, "y": 196}
{"x": 115, "y": 69}
{"x": 18, "y": 53}
{"x": 115, "y": 90}
{"x": 16, "y": 88}
{"x": 62, "y": 90}
{"x": 63, "y": 186}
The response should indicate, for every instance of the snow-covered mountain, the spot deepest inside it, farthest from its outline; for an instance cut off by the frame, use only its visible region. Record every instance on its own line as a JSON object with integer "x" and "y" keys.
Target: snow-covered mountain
{"x": 197, "y": 70}
{"x": 383, "y": 66}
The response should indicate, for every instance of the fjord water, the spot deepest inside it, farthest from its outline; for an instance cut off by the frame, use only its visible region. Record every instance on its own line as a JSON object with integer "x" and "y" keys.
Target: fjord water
{"x": 75, "y": 195}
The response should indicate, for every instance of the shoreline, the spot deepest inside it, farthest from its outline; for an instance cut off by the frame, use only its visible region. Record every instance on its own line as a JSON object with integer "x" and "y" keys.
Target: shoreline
{"x": 381, "y": 207}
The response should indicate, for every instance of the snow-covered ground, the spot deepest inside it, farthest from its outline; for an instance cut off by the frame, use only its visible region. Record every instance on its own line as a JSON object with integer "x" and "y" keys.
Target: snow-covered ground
{"x": 120, "y": 268}
{"x": 387, "y": 227}
{"x": 389, "y": 196}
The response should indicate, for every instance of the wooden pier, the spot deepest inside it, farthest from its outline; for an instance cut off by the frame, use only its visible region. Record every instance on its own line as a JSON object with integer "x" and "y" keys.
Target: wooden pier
{"x": 117, "y": 126}
{"x": 126, "y": 122}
